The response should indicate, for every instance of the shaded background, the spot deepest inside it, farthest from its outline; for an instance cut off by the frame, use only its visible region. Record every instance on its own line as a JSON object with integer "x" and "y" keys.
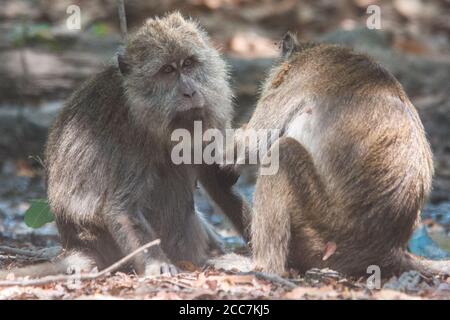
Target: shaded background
{"x": 41, "y": 62}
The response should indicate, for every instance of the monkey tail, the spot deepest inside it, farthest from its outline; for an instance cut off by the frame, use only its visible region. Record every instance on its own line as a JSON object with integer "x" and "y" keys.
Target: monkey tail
{"x": 74, "y": 262}
{"x": 407, "y": 261}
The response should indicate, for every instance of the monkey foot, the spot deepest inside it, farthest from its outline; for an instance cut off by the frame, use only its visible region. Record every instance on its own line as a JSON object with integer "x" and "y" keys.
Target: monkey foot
{"x": 158, "y": 268}
{"x": 330, "y": 249}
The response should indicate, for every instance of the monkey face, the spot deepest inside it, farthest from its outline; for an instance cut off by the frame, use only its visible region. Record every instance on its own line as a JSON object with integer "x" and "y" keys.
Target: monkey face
{"x": 173, "y": 76}
{"x": 187, "y": 97}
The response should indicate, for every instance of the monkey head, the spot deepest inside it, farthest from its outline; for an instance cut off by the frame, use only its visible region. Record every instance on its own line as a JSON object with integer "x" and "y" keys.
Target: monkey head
{"x": 286, "y": 67}
{"x": 172, "y": 76}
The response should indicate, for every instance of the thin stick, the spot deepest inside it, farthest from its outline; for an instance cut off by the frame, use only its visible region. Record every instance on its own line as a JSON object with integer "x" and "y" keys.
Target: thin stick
{"x": 82, "y": 277}
{"x": 178, "y": 283}
{"x": 122, "y": 17}
{"x": 46, "y": 253}
{"x": 274, "y": 278}
{"x": 17, "y": 251}
{"x": 38, "y": 160}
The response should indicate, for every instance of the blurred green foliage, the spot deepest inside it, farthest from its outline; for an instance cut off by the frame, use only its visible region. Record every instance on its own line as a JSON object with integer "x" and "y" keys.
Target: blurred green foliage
{"x": 100, "y": 29}
{"x": 35, "y": 33}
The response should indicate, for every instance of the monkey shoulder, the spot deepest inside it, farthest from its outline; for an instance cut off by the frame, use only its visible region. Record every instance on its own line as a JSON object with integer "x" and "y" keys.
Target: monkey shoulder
{"x": 341, "y": 71}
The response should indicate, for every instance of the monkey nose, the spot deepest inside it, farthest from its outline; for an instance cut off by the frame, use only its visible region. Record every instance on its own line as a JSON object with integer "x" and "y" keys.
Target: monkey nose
{"x": 189, "y": 94}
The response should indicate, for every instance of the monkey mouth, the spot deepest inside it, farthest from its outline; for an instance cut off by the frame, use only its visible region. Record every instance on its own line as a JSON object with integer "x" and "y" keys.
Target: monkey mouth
{"x": 186, "y": 118}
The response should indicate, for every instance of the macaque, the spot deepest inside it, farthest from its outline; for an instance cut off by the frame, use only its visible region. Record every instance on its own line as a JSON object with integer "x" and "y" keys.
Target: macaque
{"x": 112, "y": 184}
{"x": 354, "y": 166}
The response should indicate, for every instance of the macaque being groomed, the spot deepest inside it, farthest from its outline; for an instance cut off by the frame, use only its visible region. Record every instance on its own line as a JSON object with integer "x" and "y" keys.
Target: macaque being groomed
{"x": 112, "y": 185}
{"x": 355, "y": 166}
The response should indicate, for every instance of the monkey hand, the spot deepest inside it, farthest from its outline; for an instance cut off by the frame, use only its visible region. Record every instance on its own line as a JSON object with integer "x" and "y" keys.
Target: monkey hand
{"x": 226, "y": 175}
{"x": 157, "y": 268}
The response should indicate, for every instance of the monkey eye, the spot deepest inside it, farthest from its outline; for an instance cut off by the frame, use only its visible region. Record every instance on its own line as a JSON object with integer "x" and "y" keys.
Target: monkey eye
{"x": 188, "y": 62}
{"x": 168, "y": 68}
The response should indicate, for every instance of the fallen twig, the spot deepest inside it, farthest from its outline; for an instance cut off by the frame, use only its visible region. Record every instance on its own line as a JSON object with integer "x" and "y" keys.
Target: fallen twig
{"x": 82, "y": 277}
{"x": 274, "y": 278}
{"x": 46, "y": 253}
{"x": 38, "y": 160}
{"x": 178, "y": 283}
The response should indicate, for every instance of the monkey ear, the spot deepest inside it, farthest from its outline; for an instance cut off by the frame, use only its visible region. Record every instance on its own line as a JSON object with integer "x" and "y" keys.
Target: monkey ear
{"x": 288, "y": 44}
{"x": 123, "y": 64}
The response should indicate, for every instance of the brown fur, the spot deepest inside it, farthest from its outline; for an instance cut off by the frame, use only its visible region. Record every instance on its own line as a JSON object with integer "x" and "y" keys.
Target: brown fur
{"x": 355, "y": 166}
{"x": 112, "y": 185}
{"x": 280, "y": 76}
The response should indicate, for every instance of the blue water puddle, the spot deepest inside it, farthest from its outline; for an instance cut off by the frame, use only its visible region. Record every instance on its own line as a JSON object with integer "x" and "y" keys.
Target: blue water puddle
{"x": 421, "y": 244}
{"x": 438, "y": 212}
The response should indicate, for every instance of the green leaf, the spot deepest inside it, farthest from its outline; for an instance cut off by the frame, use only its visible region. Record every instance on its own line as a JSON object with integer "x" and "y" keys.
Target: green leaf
{"x": 38, "y": 214}
{"x": 100, "y": 29}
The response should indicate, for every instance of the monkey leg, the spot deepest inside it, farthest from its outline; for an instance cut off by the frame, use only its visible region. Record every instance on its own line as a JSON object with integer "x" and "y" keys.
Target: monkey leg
{"x": 286, "y": 207}
{"x": 73, "y": 261}
{"x": 79, "y": 256}
{"x": 133, "y": 231}
{"x": 218, "y": 186}
{"x": 90, "y": 240}
{"x": 195, "y": 241}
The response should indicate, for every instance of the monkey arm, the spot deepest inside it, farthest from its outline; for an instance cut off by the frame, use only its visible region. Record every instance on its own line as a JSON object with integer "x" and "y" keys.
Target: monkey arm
{"x": 218, "y": 185}
{"x": 251, "y": 142}
{"x": 133, "y": 231}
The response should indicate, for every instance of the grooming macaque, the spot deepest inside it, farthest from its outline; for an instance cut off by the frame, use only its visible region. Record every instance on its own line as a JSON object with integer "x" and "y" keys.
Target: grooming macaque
{"x": 355, "y": 166}
{"x": 112, "y": 185}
